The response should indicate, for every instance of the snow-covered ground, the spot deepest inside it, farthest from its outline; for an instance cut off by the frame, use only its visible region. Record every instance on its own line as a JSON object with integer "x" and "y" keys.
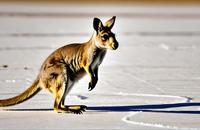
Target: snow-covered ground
{"x": 151, "y": 82}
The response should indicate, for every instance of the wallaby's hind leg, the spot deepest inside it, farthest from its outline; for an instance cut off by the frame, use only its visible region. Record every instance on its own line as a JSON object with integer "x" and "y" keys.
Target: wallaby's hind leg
{"x": 59, "y": 106}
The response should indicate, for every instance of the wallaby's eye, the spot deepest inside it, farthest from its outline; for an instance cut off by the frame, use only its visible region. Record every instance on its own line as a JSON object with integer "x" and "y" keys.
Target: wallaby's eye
{"x": 105, "y": 37}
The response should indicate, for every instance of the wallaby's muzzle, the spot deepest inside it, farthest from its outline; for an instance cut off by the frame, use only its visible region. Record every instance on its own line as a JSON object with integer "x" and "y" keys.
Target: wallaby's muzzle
{"x": 115, "y": 45}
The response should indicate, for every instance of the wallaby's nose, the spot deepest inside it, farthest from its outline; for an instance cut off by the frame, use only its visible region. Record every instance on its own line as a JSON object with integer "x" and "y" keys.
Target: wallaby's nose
{"x": 115, "y": 46}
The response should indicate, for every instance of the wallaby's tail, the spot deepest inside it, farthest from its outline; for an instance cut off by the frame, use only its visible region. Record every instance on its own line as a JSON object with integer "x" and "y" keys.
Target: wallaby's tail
{"x": 30, "y": 92}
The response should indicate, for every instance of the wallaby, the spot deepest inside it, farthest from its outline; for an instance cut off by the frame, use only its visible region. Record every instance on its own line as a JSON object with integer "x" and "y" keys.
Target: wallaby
{"x": 67, "y": 65}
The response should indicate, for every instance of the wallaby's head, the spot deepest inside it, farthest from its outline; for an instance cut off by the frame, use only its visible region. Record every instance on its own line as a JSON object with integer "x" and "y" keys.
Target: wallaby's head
{"x": 104, "y": 38}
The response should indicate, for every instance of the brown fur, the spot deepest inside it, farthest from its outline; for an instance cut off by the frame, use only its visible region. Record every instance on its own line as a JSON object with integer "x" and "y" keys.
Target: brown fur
{"x": 68, "y": 64}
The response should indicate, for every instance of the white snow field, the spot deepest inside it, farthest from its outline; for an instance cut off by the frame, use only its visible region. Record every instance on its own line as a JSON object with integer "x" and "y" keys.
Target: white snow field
{"x": 151, "y": 82}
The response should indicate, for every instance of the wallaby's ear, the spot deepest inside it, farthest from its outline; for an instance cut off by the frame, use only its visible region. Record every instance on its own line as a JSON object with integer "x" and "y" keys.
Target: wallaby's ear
{"x": 97, "y": 24}
{"x": 110, "y": 22}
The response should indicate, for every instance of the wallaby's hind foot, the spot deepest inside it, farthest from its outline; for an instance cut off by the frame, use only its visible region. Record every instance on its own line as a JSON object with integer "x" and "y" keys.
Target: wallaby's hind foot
{"x": 76, "y": 109}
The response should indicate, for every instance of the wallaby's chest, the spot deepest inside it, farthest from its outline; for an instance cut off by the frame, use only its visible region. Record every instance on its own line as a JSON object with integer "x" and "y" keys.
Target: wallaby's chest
{"x": 97, "y": 58}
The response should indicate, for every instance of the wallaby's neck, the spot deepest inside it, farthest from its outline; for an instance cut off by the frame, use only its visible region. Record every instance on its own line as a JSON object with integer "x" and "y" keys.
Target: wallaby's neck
{"x": 92, "y": 43}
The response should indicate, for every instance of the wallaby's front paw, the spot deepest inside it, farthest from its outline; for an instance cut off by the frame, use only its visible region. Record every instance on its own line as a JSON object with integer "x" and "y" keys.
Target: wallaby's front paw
{"x": 92, "y": 84}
